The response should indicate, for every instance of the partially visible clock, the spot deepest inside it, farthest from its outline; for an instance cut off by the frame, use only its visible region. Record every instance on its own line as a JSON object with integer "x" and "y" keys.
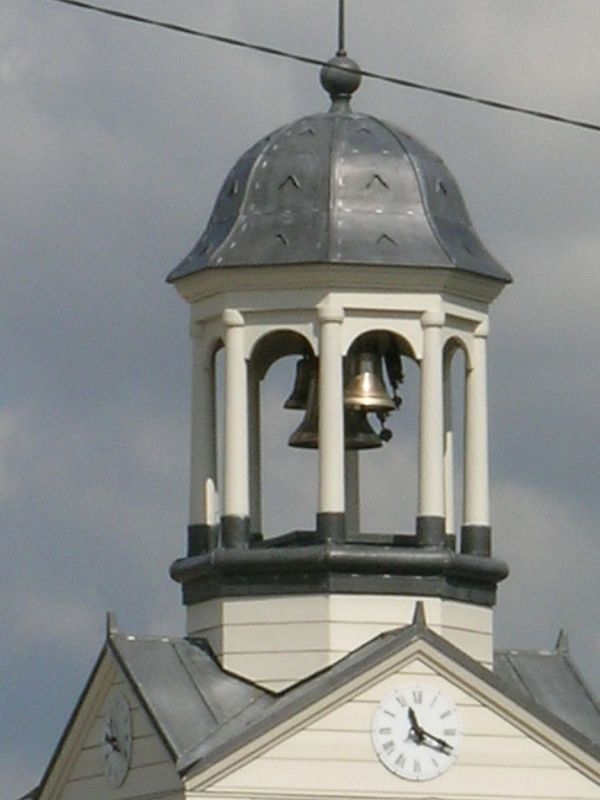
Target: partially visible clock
{"x": 117, "y": 738}
{"x": 416, "y": 732}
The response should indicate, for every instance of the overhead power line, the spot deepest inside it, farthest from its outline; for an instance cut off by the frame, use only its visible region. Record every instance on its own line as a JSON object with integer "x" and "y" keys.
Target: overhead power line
{"x": 274, "y": 51}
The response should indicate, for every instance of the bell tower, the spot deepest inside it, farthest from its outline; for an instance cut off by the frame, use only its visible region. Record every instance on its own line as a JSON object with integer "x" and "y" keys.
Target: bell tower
{"x": 344, "y": 241}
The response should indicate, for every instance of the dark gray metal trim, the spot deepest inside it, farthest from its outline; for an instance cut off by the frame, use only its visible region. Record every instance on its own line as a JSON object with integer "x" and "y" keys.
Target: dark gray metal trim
{"x": 235, "y": 532}
{"x": 431, "y": 531}
{"x": 305, "y": 584}
{"x": 331, "y": 527}
{"x": 476, "y": 540}
{"x": 202, "y": 539}
{"x": 338, "y": 567}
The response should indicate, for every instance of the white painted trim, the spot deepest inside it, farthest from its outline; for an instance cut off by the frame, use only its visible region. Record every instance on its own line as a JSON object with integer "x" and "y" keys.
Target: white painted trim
{"x": 476, "y": 503}
{"x": 431, "y": 420}
{"x": 331, "y": 411}
{"x": 235, "y": 482}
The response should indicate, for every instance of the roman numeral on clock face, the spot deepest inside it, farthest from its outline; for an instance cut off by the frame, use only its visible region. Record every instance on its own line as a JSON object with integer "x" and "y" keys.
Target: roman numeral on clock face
{"x": 416, "y": 732}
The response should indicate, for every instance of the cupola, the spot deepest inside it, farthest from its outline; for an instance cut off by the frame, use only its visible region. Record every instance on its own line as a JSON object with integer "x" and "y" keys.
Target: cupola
{"x": 344, "y": 241}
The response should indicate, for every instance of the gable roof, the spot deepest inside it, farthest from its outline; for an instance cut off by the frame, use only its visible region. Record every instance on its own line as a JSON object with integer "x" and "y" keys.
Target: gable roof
{"x": 204, "y": 713}
{"x": 254, "y": 722}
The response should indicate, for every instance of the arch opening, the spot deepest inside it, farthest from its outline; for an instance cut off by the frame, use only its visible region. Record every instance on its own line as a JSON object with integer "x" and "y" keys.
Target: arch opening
{"x": 455, "y": 360}
{"x": 381, "y": 484}
{"x": 283, "y": 496}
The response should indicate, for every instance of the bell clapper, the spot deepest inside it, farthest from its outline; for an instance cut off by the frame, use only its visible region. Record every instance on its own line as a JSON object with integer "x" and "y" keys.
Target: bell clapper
{"x": 385, "y": 434}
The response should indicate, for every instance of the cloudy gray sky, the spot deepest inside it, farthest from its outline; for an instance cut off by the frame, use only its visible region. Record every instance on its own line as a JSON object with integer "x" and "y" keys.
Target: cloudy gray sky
{"x": 115, "y": 139}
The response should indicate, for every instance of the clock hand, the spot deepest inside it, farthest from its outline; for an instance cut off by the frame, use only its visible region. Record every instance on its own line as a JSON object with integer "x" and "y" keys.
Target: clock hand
{"x": 442, "y": 742}
{"x": 113, "y": 742}
{"x": 421, "y": 734}
{"x": 415, "y": 728}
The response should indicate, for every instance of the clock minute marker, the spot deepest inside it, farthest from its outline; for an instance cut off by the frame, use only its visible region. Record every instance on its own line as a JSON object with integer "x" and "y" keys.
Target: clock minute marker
{"x": 414, "y": 748}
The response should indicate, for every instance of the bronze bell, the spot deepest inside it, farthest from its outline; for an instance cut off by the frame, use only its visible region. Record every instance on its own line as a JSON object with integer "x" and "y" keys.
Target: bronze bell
{"x": 364, "y": 388}
{"x": 358, "y": 434}
{"x": 298, "y": 398}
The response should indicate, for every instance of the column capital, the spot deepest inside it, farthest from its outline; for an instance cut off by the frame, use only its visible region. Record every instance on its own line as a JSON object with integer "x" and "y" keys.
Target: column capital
{"x": 433, "y": 319}
{"x": 330, "y": 313}
{"x": 232, "y": 318}
{"x": 482, "y": 330}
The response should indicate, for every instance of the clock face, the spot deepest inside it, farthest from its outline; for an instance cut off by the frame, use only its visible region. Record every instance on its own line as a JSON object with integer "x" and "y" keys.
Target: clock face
{"x": 416, "y": 732}
{"x": 117, "y": 739}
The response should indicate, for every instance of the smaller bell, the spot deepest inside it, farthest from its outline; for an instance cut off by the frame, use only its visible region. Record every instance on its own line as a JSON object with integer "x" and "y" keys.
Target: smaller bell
{"x": 307, "y": 433}
{"x": 298, "y": 398}
{"x": 364, "y": 387}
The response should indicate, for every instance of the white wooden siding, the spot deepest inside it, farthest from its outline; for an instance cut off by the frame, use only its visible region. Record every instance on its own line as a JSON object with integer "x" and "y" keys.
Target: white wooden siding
{"x": 277, "y": 641}
{"x": 151, "y": 773}
{"x": 333, "y": 757}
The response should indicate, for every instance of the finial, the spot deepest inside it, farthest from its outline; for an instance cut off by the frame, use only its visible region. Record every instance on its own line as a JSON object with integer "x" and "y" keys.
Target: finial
{"x": 562, "y": 643}
{"x": 419, "y": 620}
{"x": 340, "y": 81}
{"x": 338, "y": 77}
{"x": 112, "y": 629}
{"x": 341, "y": 29}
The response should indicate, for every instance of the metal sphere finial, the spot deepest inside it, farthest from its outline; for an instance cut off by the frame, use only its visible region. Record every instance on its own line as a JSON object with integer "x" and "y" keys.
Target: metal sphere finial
{"x": 338, "y": 81}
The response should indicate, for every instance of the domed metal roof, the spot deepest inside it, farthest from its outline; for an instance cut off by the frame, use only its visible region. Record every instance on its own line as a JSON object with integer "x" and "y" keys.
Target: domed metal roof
{"x": 340, "y": 188}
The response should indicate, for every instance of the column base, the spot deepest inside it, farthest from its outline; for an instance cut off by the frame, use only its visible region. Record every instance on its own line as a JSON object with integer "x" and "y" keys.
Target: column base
{"x": 202, "y": 538}
{"x": 431, "y": 531}
{"x": 331, "y": 526}
{"x": 235, "y": 532}
{"x": 476, "y": 540}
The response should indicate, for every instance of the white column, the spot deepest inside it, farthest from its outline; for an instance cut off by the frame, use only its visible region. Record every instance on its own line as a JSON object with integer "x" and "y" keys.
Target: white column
{"x": 448, "y": 446}
{"x": 331, "y": 412}
{"x": 204, "y": 433}
{"x": 431, "y": 433}
{"x": 476, "y": 505}
{"x": 235, "y": 489}
{"x": 254, "y": 449}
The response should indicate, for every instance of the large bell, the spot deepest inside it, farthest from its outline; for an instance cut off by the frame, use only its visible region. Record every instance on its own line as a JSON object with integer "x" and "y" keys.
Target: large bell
{"x": 358, "y": 434}
{"x": 299, "y": 395}
{"x": 364, "y": 388}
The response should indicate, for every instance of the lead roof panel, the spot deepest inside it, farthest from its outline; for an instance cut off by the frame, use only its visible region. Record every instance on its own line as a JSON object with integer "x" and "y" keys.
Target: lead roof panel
{"x": 551, "y": 680}
{"x": 204, "y": 712}
{"x": 341, "y": 188}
